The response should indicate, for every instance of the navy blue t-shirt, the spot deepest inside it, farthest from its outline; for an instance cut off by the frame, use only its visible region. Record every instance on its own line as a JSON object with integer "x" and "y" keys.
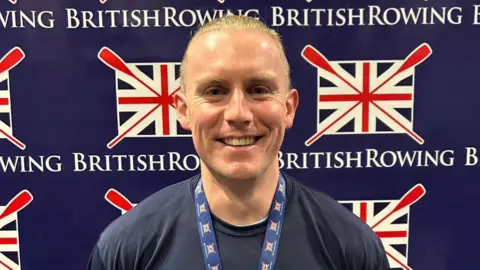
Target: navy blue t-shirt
{"x": 161, "y": 233}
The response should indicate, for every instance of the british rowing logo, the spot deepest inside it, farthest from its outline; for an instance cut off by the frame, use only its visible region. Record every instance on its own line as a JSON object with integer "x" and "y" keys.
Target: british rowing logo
{"x": 390, "y": 219}
{"x": 8, "y": 61}
{"x": 365, "y": 97}
{"x": 9, "y": 236}
{"x": 118, "y": 200}
{"x": 145, "y": 106}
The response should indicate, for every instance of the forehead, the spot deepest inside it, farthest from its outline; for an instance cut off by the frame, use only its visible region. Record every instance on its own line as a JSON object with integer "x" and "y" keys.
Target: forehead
{"x": 233, "y": 53}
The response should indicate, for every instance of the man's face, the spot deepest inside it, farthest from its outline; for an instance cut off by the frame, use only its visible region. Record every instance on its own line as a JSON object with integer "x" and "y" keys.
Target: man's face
{"x": 237, "y": 102}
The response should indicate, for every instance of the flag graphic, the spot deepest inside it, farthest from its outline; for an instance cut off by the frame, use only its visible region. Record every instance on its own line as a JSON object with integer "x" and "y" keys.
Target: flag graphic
{"x": 365, "y": 97}
{"x": 389, "y": 219}
{"x": 118, "y": 200}
{"x": 7, "y": 62}
{"x": 145, "y": 91}
{"x": 9, "y": 237}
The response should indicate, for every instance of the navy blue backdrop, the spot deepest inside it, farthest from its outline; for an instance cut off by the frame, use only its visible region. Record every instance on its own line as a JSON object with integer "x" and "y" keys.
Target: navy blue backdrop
{"x": 387, "y": 122}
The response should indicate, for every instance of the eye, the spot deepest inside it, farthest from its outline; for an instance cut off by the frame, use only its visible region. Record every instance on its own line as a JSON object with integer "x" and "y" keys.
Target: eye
{"x": 214, "y": 91}
{"x": 259, "y": 90}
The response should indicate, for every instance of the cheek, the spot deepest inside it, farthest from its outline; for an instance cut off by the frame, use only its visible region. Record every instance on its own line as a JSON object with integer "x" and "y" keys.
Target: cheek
{"x": 203, "y": 119}
{"x": 272, "y": 115}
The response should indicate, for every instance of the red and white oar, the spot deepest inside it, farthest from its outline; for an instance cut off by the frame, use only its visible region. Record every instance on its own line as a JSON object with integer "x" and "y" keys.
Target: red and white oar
{"x": 20, "y": 201}
{"x": 112, "y": 60}
{"x": 412, "y": 196}
{"x": 318, "y": 60}
{"x": 121, "y": 136}
{"x": 320, "y": 133}
{"x": 407, "y": 130}
{"x": 103, "y": 1}
{"x": 13, "y": 1}
{"x": 9, "y": 61}
{"x": 416, "y": 57}
{"x": 402, "y": 265}
{"x": 117, "y": 199}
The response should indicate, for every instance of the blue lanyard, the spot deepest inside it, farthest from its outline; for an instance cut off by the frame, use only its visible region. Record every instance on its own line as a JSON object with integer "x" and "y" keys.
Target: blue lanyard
{"x": 272, "y": 236}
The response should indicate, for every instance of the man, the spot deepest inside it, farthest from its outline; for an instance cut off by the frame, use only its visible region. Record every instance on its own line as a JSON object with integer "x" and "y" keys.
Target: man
{"x": 241, "y": 212}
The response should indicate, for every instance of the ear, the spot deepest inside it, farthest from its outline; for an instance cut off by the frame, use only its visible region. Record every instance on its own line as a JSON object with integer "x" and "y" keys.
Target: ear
{"x": 292, "y": 104}
{"x": 180, "y": 102}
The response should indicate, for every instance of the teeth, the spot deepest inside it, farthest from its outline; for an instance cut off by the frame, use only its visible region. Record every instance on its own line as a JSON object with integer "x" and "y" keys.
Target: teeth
{"x": 240, "y": 141}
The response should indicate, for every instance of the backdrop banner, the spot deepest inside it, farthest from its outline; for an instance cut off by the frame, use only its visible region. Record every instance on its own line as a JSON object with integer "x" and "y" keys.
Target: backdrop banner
{"x": 387, "y": 122}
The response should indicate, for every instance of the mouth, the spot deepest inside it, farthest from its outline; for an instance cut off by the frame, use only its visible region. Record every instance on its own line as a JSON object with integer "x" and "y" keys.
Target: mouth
{"x": 240, "y": 142}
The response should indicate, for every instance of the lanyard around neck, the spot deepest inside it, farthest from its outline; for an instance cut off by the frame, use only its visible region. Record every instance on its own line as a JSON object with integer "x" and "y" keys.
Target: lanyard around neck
{"x": 272, "y": 235}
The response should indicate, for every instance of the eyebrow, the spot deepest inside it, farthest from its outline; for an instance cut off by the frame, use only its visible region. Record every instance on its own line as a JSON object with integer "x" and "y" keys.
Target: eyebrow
{"x": 202, "y": 83}
{"x": 267, "y": 79}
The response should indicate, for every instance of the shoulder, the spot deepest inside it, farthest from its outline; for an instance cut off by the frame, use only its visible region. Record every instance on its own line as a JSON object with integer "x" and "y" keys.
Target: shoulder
{"x": 344, "y": 234}
{"x": 327, "y": 210}
{"x": 153, "y": 209}
{"x": 146, "y": 225}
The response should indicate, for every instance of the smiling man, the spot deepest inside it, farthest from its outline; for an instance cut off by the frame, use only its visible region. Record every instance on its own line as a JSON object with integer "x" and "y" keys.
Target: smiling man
{"x": 241, "y": 212}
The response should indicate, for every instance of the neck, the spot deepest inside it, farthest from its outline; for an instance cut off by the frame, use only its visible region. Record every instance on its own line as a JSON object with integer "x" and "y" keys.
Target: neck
{"x": 240, "y": 201}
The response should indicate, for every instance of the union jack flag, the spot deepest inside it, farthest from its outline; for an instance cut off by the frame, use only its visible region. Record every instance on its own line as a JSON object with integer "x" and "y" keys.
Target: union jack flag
{"x": 365, "y": 97}
{"x": 5, "y": 109}
{"x": 389, "y": 219}
{"x": 9, "y": 237}
{"x": 145, "y": 104}
{"x": 7, "y": 62}
{"x": 9, "y": 246}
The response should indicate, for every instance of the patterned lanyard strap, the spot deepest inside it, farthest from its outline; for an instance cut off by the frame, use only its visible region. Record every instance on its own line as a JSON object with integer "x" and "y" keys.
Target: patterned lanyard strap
{"x": 272, "y": 235}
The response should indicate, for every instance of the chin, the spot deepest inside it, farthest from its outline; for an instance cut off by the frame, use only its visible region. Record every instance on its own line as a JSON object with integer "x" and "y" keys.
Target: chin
{"x": 239, "y": 171}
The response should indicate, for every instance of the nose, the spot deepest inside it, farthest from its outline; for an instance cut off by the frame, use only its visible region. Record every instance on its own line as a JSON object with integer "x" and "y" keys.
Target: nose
{"x": 238, "y": 111}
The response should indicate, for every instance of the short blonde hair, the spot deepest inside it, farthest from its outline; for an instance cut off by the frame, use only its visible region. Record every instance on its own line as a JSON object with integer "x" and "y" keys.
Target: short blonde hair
{"x": 230, "y": 22}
